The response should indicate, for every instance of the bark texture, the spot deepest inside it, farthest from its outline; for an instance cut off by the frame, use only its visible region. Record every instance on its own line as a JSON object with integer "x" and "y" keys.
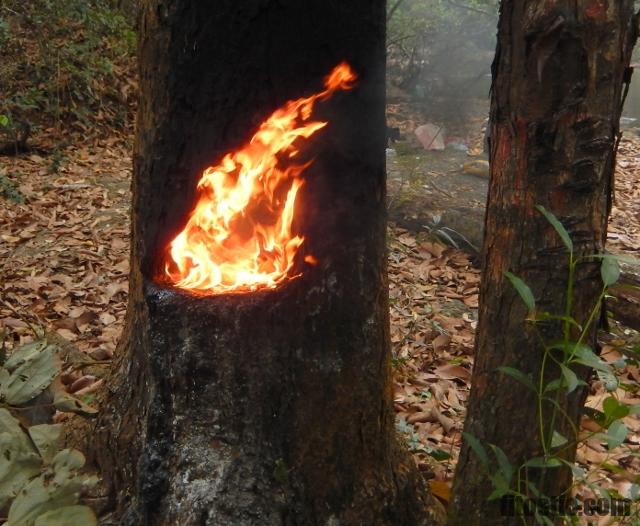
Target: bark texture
{"x": 625, "y": 304}
{"x": 269, "y": 408}
{"x": 556, "y": 101}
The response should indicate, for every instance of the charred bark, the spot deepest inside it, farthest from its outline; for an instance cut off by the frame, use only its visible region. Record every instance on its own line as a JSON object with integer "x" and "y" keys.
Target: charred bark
{"x": 555, "y": 109}
{"x": 267, "y": 408}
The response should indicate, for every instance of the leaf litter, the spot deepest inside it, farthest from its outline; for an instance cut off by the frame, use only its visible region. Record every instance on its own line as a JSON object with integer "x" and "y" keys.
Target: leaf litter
{"x": 64, "y": 256}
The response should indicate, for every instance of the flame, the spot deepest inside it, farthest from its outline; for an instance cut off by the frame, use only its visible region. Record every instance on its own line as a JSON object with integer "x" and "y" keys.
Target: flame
{"x": 238, "y": 237}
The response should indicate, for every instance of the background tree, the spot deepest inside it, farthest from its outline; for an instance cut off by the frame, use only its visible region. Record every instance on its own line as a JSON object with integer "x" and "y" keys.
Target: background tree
{"x": 270, "y": 407}
{"x": 73, "y": 72}
{"x": 427, "y": 60}
{"x": 558, "y": 81}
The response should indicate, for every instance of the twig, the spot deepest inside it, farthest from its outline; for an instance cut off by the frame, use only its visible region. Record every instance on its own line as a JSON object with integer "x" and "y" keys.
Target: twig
{"x": 15, "y": 13}
{"x": 20, "y": 317}
{"x": 71, "y": 186}
{"x": 440, "y": 189}
{"x": 393, "y": 9}
{"x": 471, "y": 8}
{"x": 400, "y": 39}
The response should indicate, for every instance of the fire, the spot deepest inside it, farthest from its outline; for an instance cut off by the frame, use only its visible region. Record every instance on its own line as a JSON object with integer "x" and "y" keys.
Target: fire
{"x": 238, "y": 237}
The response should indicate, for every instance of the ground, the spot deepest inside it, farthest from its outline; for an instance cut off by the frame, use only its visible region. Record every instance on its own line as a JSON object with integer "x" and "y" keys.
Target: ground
{"x": 65, "y": 251}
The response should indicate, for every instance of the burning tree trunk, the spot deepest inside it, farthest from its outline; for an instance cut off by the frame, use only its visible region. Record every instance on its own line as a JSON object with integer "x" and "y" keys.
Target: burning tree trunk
{"x": 267, "y": 404}
{"x": 558, "y": 80}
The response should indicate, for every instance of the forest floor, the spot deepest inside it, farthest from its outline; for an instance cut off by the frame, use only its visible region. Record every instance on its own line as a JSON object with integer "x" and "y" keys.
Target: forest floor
{"x": 65, "y": 262}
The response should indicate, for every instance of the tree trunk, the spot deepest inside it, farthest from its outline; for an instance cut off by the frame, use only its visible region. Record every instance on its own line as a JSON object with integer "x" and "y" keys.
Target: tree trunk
{"x": 556, "y": 101}
{"x": 271, "y": 407}
{"x": 625, "y": 303}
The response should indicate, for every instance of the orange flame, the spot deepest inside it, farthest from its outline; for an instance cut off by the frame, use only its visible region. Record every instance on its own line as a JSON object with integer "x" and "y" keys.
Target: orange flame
{"x": 238, "y": 237}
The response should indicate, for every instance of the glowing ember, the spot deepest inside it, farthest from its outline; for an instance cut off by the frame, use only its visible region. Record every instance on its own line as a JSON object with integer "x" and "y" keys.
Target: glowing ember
{"x": 238, "y": 237}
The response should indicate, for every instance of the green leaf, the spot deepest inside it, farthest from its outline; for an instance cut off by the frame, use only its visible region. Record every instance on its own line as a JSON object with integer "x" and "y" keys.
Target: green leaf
{"x": 615, "y": 435}
{"x": 533, "y": 489}
{"x": 281, "y": 472}
{"x": 4, "y": 375}
{"x": 37, "y": 498}
{"x": 629, "y": 260}
{"x": 42, "y": 495}
{"x": 562, "y": 232}
{"x": 553, "y": 385}
{"x": 597, "y": 416}
{"x": 570, "y": 378}
{"x": 477, "y": 448}
{"x": 65, "y": 402}
{"x": 523, "y": 290}
{"x": 500, "y": 485}
{"x": 68, "y": 459}
{"x": 496, "y": 494}
{"x": 17, "y": 467}
{"x": 572, "y": 348}
{"x": 68, "y": 516}
{"x": 19, "y": 462}
{"x": 4, "y": 121}
{"x": 542, "y": 462}
{"x": 584, "y": 355}
{"x": 10, "y": 426}
{"x": 548, "y": 316}
{"x": 609, "y": 270}
{"x": 614, "y": 410}
{"x": 576, "y": 470}
{"x": 557, "y": 439}
{"x": 24, "y": 353}
{"x": 611, "y": 468}
{"x": 609, "y": 379}
{"x": 32, "y": 376}
{"x": 503, "y": 462}
{"x": 46, "y": 438}
{"x": 439, "y": 454}
{"x": 519, "y": 376}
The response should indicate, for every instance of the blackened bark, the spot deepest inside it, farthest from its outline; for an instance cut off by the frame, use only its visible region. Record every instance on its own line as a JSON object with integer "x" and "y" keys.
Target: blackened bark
{"x": 269, "y": 408}
{"x": 556, "y": 102}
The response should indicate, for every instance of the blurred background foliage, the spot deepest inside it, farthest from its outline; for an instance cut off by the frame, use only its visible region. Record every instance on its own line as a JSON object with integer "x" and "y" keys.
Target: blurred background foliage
{"x": 440, "y": 52}
{"x": 70, "y": 64}
{"x": 66, "y": 64}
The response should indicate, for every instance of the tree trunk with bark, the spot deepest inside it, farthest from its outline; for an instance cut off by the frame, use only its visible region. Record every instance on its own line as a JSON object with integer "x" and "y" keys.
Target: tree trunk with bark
{"x": 271, "y": 407}
{"x": 625, "y": 302}
{"x": 559, "y": 73}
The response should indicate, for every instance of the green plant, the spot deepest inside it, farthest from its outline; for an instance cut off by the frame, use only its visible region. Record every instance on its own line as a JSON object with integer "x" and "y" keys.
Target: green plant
{"x": 566, "y": 355}
{"x": 4, "y": 31}
{"x": 421, "y": 48}
{"x": 76, "y": 56}
{"x": 9, "y": 190}
{"x": 40, "y": 483}
{"x": 57, "y": 160}
{"x": 414, "y": 443}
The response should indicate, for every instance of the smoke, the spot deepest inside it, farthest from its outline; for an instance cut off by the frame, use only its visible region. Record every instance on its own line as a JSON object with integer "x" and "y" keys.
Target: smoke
{"x": 440, "y": 53}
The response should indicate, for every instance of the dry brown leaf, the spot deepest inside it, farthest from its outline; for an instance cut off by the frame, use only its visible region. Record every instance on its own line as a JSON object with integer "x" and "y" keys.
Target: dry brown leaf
{"x": 442, "y": 341}
{"x": 452, "y": 372}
